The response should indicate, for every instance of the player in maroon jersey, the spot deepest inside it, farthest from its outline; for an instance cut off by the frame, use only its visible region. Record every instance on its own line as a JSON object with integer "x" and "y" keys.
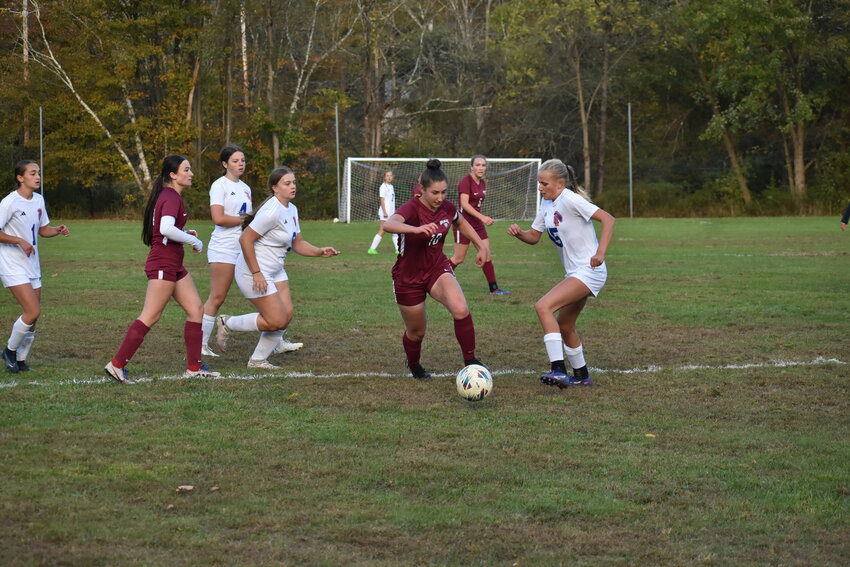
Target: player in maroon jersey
{"x": 471, "y": 191}
{"x": 422, "y": 268}
{"x": 162, "y": 230}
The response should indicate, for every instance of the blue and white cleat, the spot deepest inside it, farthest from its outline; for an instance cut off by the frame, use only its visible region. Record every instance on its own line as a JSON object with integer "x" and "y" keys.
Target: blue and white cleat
{"x": 556, "y": 378}
{"x": 576, "y": 381}
{"x": 117, "y": 374}
{"x": 10, "y": 359}
{"x": 202, "y": 372}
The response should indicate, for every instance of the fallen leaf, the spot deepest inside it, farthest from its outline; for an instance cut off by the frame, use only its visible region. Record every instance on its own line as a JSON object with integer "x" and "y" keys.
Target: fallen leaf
{"x": 185, "y": 488}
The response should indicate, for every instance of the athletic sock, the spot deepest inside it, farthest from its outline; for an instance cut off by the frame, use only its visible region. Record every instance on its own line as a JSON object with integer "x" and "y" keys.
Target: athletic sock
{"x": 412, "y": 349}
{"x": 243, "y": 323}
{"x": 465, "y": 333}
{"x": 19, "y": 331}
{"x": 559, "y": 366}
{"x": 375, "y": 242}
{"x": 25, "y": 346}
{"x": 575, "y": 356}
{"x": 553, "y": 344}
{"x": 493, "y": 286}
{"x": 207, "y": 325}
{"x": 581, "y": 373}
{"x": 192, "y": 336}
{"x": 131, "y": 343}
{"x": 490, "y": 274}
{"x": 267, "y": 343}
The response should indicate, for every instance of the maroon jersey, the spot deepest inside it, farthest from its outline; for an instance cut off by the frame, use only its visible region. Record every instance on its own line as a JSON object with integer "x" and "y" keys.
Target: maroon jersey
{"x": 163, "y": 251}
{"x": 418, "y": 254}
{"x": 476, "y": 192}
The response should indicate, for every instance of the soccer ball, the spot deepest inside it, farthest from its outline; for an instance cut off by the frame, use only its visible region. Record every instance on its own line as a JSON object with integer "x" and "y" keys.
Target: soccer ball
{"x": 474, "y": 382}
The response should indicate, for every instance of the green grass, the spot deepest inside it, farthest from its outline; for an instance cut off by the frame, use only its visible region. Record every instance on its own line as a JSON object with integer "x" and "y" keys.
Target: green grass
{"x": 716, "y": 432}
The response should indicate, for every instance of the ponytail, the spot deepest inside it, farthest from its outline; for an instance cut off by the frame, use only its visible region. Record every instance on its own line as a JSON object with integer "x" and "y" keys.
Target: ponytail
{"x": 557, "y": 169}
{"x": 170, "y": 165}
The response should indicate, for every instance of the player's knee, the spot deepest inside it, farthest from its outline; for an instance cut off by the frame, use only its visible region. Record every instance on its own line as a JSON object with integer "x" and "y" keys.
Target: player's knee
{"x": 416, "y": 334}
{"x": 31, "y": 315}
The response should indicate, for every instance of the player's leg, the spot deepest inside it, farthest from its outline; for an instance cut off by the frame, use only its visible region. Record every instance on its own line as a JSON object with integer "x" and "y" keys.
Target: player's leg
{"x": 460, "y": 250}
{"x": 284, "y": 345}
{"x": 275, "y": 314}
{"x": 29, "y": 300}
{"x": 26, "y": 344}
{"x": 415, "y": 323}
{"x": 490, "y": 272}
{"x": 568, "y": 292}
{"x": 186, "y": 295}
{"x": 567, "y": 317}
{"x": 373, "y": 248}
{"x": 447, "y": 291}
{"x": 221, "y": 276}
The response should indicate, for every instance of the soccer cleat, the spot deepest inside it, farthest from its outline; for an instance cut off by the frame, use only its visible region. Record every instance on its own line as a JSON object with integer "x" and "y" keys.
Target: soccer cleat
{"x": 207, "y": 351}
{"x": 499, "y": 292}
{"x": 10, "y": 358}
{"x": 578, "y": 381}
{"x": 419, "y": 372}
{"x": 371, "y": 251}
{"x": 222, "y": 332}
{"x": 262, "y": 364}
{"x": 286, "y": 345}
{"x": 117, "y": 374}
{"x": 23, "y": 366}
{"x": 556, "y": 378}
{"x": 202, "y": 372}
{"x": 475, "y": 361}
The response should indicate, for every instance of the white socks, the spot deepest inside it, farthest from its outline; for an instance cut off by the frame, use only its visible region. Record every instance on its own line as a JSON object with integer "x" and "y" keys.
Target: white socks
{"x": 554, "y": 346}
{"x": 575, "y": 356}
{"x": 246, "y": 322}
{"x": 267, "y": 343}
{"x": 375, "y": 242}
{"x": 19, "y": 331}
{"x": 207, "y": 327}
{"x": 26, "y": 345}
{"x": 395, "y": 241}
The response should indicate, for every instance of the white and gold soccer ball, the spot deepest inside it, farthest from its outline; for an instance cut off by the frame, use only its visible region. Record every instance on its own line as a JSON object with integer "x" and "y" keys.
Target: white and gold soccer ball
{"x": 474, "y": 382}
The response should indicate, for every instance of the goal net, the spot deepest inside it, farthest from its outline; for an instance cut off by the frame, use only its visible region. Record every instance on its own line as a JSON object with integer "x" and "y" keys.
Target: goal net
{"x": 511, "y": 185}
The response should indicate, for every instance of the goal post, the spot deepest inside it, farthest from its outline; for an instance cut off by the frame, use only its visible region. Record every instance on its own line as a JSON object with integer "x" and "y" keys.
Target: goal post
{"x": 511, "y": 185}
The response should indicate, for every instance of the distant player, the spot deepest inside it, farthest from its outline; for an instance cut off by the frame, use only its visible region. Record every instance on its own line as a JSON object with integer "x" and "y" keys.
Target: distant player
{"x": 266, "y": 239}
{"x": 422, "y": 268}
{"x": 385, "y": 209}
{"x": 23, "y": 218}
{"x": 471, "y": 192}
{"x": 162, "y": 230}
{"x": 565, "y": 216}
{"x": 845, "y": 218}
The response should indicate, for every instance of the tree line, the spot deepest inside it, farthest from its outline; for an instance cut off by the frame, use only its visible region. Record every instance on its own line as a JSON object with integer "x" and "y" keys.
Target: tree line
{"x": 738, "y": 106}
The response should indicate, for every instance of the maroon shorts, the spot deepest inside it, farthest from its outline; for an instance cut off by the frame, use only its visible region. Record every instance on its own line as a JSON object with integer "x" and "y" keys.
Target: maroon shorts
{"x": 168, "y": 274}
{"x": 480, "y": 230}
{"x": 412, "y": 292}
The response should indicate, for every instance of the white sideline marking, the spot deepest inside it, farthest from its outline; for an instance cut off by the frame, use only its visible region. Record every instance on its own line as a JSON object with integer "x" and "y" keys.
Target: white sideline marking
{"x": 819, "y": 361}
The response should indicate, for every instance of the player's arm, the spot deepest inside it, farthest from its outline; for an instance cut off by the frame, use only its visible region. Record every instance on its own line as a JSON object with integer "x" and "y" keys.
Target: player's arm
{"x": 168, "y": 229}
{"x": 51, "y": 231}
{"x": 384, "y": 206}
{"x": 396, "y": 225}
{"x": 470, "y": 210}
{"x": 9, "y": 239}
{"x": 845, "y": 218}
{"x": 221, "y": 219}
{"x": 249, "y": 254}
{"x": 304, "y": 248}
{"x": 607, "y": 221}
{"x": 530, "y": 236}
{"x": 483, "y": 248}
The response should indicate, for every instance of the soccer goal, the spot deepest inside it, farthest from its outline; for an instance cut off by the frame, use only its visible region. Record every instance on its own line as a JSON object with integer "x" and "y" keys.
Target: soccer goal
{"x": 511, "y": 185}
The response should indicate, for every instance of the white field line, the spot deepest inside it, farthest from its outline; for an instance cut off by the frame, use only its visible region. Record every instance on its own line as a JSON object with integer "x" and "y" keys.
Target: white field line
{"x": 819, "y": 361}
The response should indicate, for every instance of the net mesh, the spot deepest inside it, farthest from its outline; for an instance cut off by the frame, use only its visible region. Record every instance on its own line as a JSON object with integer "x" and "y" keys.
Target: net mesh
{"x": 511, "y": 185}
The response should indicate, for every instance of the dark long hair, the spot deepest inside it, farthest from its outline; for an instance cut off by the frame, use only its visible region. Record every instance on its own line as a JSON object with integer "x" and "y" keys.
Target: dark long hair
{"x": 432, "y": 173}
{"x": 170, "y": 165}
{"x": 21, "y": 168}
{"x": 227, "y": 151}
{"x": 275, "y": 176}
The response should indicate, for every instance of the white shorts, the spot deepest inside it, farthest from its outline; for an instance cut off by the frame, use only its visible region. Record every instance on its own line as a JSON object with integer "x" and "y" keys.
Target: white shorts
{"x": 594, "y": 279}
{"x": 245, "y": 281}
{"x": 381, "y": 215}
{"x": 20, "y": 279}
{"x": 224, "y": 251}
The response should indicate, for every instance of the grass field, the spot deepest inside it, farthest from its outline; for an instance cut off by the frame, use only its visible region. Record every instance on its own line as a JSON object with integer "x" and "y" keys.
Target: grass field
{"x": 716, "y": 432}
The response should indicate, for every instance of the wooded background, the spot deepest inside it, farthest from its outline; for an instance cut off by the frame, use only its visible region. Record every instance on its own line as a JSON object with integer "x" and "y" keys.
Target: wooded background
{"x": 739, "y": 107}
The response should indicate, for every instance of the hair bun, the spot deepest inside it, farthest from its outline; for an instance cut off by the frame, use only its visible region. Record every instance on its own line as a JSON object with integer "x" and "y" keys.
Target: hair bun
{"x": 433, "y": 163}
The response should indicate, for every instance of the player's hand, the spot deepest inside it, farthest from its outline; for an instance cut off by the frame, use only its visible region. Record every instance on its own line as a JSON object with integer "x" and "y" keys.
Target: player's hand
{"x": 596, "y": 260}
{"x": 193, "y": 232}
{"x": 328, "y": 251}
{"x": 26, "y": 247}
{"x": 844, "y": 226}
{"x": 430, "y": 229}
{"x": 488, "y": 220}
{"x": 514, "y": 230}
{"x": 63, "y": 230}
{"x": 260, "y": 284}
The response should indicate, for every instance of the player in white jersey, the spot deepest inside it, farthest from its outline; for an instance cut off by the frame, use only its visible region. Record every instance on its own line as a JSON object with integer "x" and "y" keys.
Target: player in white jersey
{"x": 266, "y": 239}
{"x": 23, "y": 218}
{"x": 385, "y": 211}
{"x": 566, "y": 217}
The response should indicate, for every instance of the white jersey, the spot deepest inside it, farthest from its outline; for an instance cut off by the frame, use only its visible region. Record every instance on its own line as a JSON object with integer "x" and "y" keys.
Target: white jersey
{"x": 22, "y": 218}
{"x": 277, "y": 226}
{"x": 235, "y": 197}
{"x": 387, "y": 193}
{"x": 566, "y": 221}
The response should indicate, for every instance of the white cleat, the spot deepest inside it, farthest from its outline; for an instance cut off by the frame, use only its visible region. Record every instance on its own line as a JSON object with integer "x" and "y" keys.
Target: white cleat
{"x": 222, "y": 332}
{"x": 202, "y": 372}
{"x": 117, "y": 374}
{"x": 207, "y": 351}
{"x": 263, "y": 364}
{"x": 286, "y": 345}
